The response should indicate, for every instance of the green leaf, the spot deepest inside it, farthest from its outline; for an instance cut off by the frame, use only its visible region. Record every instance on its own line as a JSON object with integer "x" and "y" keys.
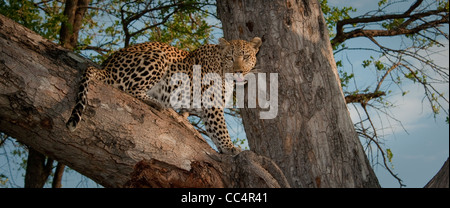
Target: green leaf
{"x": 382, "y": 2}
{"x": 366, "y": 63}
{"x": 390, "y": 155}
{"x": 379, "y": 65}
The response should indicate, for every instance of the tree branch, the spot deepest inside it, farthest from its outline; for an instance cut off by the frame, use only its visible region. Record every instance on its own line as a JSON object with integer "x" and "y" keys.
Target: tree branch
{"x": 413, "y": 7}
{"x": 342, "y": 36}
{"x": 38, "y": 80}
{"x": 127, "y": 21}
{"x": 363, "y": 97}
{"x": 97, "y": 49}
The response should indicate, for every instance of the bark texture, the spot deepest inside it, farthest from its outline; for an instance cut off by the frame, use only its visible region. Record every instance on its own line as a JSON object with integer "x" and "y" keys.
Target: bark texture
{"x": 122, "y": 142}
{"x": 68, "y": 39}
{"x": 312, "y": 139}
{"x": 441, "y": 179}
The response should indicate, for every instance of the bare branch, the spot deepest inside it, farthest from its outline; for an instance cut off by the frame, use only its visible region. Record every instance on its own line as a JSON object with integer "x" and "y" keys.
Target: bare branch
{"x": 97, "y": 49}
{"x": 385, "y": 75}
{"x": 413, "y": 7}
{"x": 383, "y": 155}
{"x": 341, "y": 36}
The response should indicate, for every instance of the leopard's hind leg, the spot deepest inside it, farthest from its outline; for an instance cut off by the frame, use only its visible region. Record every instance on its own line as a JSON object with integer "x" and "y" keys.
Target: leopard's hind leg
{"x": 81, "y": 100}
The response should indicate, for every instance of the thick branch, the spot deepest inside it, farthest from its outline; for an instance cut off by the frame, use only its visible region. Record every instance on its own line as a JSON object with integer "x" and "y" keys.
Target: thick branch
{"x": 363, "y": 97}
{"x": 37, "y": 91}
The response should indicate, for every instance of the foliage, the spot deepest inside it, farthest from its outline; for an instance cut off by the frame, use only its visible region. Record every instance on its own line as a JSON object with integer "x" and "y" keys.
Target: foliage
{"x": 15, "y": 154}
{"x": 111, "y": 25}
{"x": 187, "y": 31}
{"x": 333, "y": 15}
{"x": 29, "y": 14}
{"x": 240, "y": 143}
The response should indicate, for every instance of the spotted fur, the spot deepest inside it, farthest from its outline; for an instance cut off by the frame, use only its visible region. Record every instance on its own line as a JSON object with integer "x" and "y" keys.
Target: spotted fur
{"x": 144, "y": 71}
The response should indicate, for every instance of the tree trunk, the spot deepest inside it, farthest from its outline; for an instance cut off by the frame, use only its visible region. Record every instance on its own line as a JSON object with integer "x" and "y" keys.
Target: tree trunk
{"x": 59, "y": 171}
{"x": 440, "y": 180}
{"x": 122, "y": 142}
{"x": 312, "y": 139}
{"x": 38, "y": 169}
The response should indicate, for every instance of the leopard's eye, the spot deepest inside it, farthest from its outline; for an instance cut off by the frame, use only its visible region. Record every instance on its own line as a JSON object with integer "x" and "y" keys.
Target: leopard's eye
{"x": 246, "y": 57}
{"x": 229, "y": 57}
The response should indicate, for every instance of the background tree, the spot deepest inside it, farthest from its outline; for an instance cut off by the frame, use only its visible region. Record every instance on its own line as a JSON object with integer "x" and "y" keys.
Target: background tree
{"x": 312, "y": 138}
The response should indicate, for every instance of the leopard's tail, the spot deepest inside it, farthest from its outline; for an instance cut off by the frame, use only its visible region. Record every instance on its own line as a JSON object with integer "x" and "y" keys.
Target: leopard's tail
{"x": 81, "y": 100}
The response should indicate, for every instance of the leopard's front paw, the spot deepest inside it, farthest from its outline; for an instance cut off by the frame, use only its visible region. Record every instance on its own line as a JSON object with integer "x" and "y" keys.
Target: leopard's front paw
{"x": 231, "y": 151}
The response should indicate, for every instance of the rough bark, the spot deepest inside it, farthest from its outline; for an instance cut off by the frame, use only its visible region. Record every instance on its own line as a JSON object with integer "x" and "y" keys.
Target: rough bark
{"x": 120, "y": 136}
{"x": 441, "y": 179}
{"x": 312, "y": 139}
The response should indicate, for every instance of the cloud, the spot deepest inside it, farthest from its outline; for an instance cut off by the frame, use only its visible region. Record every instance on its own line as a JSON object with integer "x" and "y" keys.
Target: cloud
{"x": 412, "y": 110}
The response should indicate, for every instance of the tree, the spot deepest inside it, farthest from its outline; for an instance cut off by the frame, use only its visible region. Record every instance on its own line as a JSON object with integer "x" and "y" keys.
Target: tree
{"x": 311, "y": 130}
{"x": 122, "y": 136}
{"x": 74, "y": 11}
{"x": 422, "y": 18}
{"x": 51, "y": 122}
{"x": 67, "y": 18}
{"x": 312, "y": 139}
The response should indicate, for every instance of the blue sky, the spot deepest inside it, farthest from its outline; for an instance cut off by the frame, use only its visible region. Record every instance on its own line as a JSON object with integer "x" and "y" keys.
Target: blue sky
{"x": 421, "y": 150}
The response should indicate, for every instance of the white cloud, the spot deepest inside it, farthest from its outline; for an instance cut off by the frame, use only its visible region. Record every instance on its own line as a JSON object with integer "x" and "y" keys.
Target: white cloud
{"x": 412, "y": 110}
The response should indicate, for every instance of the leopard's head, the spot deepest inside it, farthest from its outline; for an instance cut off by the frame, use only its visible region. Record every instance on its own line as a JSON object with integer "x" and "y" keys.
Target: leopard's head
{"x": 239, "y": 56}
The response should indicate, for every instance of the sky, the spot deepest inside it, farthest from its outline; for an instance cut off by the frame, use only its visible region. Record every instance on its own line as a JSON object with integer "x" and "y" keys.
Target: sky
{"x": 420, "y": 146}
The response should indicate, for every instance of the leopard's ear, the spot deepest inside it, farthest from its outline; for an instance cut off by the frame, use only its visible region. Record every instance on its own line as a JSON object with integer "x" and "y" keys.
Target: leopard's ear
{"x": 223, "y": 43}
{"x": 256, "y": 42}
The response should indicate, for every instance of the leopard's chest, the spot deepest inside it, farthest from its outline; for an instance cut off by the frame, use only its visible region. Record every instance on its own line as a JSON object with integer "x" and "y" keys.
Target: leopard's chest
{"x": 189, "y": 91}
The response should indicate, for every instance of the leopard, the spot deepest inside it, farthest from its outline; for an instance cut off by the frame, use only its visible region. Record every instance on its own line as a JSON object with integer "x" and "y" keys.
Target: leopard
{"x": 145, "y": 71}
